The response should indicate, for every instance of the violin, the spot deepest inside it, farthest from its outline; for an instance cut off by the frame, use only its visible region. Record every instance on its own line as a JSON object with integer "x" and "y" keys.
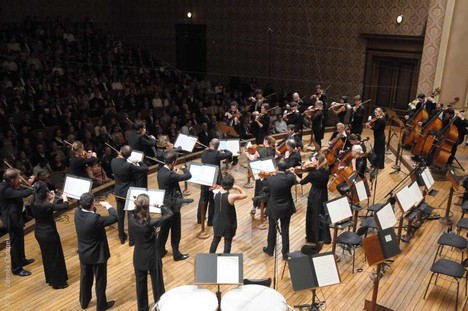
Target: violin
{"x": 309, "y": 113}
{"x": 265, "y": 175}
{"x": 304, "y": 168}
{"x": 253, "y": 148}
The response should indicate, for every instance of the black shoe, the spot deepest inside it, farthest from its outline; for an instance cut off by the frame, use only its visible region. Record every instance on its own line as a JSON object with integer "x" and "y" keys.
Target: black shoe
{"x": 181, "y": 257}
{"x": 85, "y": 305}
{"x": 285, "y": 257}
{"x": 131, "y": 243}
{"x": 123, "y": 239}
{"x": 210, "y": 224}
{"x": 22, "y": 272}
{"x": 59, "y": 286}
{"x": 265, "y": 250}
{"x": 164, "y": 253}
{"x": 28, "y": 262}
{"x": 110, "y": 304}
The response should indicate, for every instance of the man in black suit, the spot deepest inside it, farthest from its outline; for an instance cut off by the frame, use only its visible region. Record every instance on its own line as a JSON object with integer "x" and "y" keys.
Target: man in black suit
{"x": 294, "y": 117}
{"x": 292, "y": 135}
{"x": 126, "y": 174}
{"x": 204, "y": 136}
{"x": 357, "y": 115}
{"x": 138, "y": 139}
{"x": 168, "y": 180}
{"x": 292, "y": 156}
{"x": 11, "y": 203}
{"x": 280, "y": 207}
{"x": 80, "y": 160}
{"x": 93, "y": 250}
{"x": 211, "y": 156}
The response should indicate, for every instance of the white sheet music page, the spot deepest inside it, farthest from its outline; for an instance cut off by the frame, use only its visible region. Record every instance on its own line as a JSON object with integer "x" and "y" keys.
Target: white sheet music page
{"x": 136, "y": 156}
{"x": 427, "y": 178}
{"x": 74, "y": 187}
{"x": 386, "y": 217}
{"x": 258, "y": 166}
{"x": 416, "y": 193}
{"x": 227, "y": 270}
{"x": 361, "y": 190}
{"x": 339, "y": 210}
{"x": 202, "y": 174}
{"x": 156, "y": 198}
{"x": 232, "y": 145}
{"x": 185, "y": 142}
{"x": 325, "y": 270}
{"x": 405, "y": 199}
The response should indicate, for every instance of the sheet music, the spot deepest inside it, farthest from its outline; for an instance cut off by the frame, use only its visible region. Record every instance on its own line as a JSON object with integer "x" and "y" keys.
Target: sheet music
{"x": 325, "y": 270}
{"x": 386, "y": 217}
{"x": 203, "y": 174}
{"x": 361, "y": 190}
{"x": 185, "y": 142}
{"x": 405, "y": 199}
{"x": 227, "y": 270}
{"x": 75, "y": 186}
{"x": 136, "y": 156}
{"x": 232, "y": 145}
{"x": 339, "y": 209}
{"x": 416, "y": 193}
{"x": 265, "y": 165}
{"x": 156, "y": 198}
{"x": 427, "y": 178}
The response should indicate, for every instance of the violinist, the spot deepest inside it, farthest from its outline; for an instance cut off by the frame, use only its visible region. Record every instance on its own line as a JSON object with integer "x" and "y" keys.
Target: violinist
{"x": 318, "y": 122}
{"x": 342, "y": 134}
{"x": 261, "y": 125}
{"x": 80, "y": 160}
{"x": 378, "y": 125}
{"x": 300, "y": 103}
{"x": 316, "y": 230}
{"x": 292, "y": 156}
{"x": 267, "y": 150}
{"x": 295, "y": 118}
{"x": 235, "y": 120}
{"x": 461, "y": 124}
{"x": 319, "y": 94}
{"x": 340, "y": 108}
{"x": 357, "y": 115}
{"x": 11, "y": 203}
{"x": 292, "y": 135}
{"x": 139, "y": 139}
{"x": 211, "y": 156}
{"x": 257, "y": 101}
{"x": 421, "y": 101}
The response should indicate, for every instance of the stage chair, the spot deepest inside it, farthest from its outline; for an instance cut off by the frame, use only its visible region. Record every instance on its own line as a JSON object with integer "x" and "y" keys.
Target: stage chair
{"x": 369, "y": 224}
{"x": 351, "y": 241}
{"x": 374, "y": 207}
{"x": 462, "y": 224}
{"x": 464, "y": 208}
{"x": 451, "y": 239}
{"x": 451, "y": 269}
{"x": 263, "y": 282}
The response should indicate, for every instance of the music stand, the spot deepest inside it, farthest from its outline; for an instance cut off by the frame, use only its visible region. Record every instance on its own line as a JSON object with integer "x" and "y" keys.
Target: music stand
{"x": 359, "y": 192}
{"x": 186, "y": 142}
{"x": 378, "y": 249}
{"x": 75, "y": 186}
{"x": 338, "y": 210}
{"x": 391, "y": 116}
{"x": 219, "y": 269}
{"x": 428, "y": 181}
{"x": 136, "y": 156}
{"x": 156, "y": 198}
{"x": 262, "y": 165}
{"x": 312, "y": 272}
{"x": 385, "y": 217}
{"x": 403, "y": 197}
{"x": 455, "y": 186}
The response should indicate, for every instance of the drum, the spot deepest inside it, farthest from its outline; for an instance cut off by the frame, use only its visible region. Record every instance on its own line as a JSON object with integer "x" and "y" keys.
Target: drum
{"x": 188, "y": 297}
{"x": 253, "y": 298}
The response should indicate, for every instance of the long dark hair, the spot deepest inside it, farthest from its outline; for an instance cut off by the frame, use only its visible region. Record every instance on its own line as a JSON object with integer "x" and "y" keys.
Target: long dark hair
{"x": 141, "y": 212}
{"x": 40, "y": 193}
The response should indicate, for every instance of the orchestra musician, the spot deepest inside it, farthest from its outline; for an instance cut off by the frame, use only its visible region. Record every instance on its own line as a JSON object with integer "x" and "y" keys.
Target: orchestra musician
{"x": 354, "y": 139}
{"x": 139, "y": 139}
{"x": 168, "y": 179}
{"x": 292, "y": 156}
{"x": 261, "y": 125}
{"x": 357, "y": 116}
{"x": 300, "y": 103}
{"x": 267, "y": 150}
{"x": 225, "y": 219}
{"x": 292, "y": 135}
{"x": 280, "y": 207}
{"x": 257, "y": 101}
{"x": 316, "y": 230}
{"x": 235, "y": 120}
{"x": 341, "y": 132}
{"x": 461, "y": 124}
{"x": 359, "y": 165}
{"x": 318, "y": 122}
{"x": 11, "y": 203}
{"x": 126, "y": 175}
{"x": 93, "y": 250}
{"x": 428, "y": 104}
{"x": 80, "y": 160}
{"x": 378, "y": 126}
{"x": 295, "y": 118}
{"x": 343, "y": 108}
{"x": 43, "y": 207}
{"x": 146, "y": 256}
{"x": 211, "y": 156}
{"x": 319, "y": 94}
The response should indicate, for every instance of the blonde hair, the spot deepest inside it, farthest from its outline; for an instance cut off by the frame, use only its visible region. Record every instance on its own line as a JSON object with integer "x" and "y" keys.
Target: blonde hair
{"x": 322, "y": 162}
{"x": 380, "y": 111}
{"x": 271, "y": 141}
{"x": 357, "y": 149}
{"x": 338, "y": 125}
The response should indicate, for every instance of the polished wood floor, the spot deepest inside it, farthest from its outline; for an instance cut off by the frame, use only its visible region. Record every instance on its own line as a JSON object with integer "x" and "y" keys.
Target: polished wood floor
{"x": 401, "y": 288}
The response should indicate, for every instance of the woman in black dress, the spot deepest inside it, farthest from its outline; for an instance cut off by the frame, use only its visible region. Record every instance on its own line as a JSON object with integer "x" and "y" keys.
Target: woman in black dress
{"x": 225, "y": 219}
{"x": 267, "y": 150}
{"x": 146, "y": 257}
{"x": 261, "y": 124}
{"x": 317, "y": 230}
{"x": 46, "y": 234}
{"x": 378, "y": 125}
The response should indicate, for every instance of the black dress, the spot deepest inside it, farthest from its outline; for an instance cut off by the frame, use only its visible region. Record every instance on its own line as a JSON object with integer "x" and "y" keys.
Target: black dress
{"x": 225, "y": 219}
{"x": 379, "y": 142}
{"x": 48, "y": 238}
{"x": 317, "y": 230}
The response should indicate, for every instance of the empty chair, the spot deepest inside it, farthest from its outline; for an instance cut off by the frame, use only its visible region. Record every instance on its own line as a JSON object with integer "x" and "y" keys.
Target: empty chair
{"x": 451, "y": 239}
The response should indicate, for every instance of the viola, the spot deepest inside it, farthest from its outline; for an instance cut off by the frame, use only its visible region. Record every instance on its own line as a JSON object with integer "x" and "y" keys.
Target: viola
{"x": 265, "y": 175}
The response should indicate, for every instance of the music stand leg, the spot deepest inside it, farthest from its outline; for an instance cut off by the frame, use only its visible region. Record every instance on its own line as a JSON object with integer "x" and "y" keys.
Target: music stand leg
{"x": 456, "y": 160}
{"x": 218, "y": 295}
{"x": 315, "y": 305}
{"x": 446, "y": 219}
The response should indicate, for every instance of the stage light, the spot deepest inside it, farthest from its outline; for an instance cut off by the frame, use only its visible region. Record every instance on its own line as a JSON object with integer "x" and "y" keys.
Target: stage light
{"x": 399, "y": 19}
{"x": 189, "y": 14}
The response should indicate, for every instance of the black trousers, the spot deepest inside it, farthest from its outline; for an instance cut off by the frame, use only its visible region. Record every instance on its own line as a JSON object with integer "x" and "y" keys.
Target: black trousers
{"x": 121, "y": 222}
{"x": 174, "y": 225}
{"x": 87, "y": 274}
{"x": 17, "y": 255}
{"x": 215, "y": 243}
{"x": 206, "y": 198}
{"x": 142, "y": 288}
{"x": 318, "y": 136}
{"x": 284, "y": 234}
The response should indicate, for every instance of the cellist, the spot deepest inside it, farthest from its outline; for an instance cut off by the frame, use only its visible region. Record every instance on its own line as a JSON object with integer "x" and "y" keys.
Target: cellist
{"x": 359, "y": 164}
{"x": 341, "y": 131}
{"x": 460, "y": 124}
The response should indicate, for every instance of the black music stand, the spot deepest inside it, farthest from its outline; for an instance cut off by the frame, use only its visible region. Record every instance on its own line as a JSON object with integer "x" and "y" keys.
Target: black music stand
{"x": 455, "y": 186}
{"x": 312, "y": 272}
{"x": 219, "y": 269}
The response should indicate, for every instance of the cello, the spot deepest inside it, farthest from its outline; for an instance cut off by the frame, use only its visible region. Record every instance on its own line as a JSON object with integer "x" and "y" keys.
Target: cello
{"x": 426, "y": 138}
{"x": 447, "y": 138}
{"x": 337, "y": 144}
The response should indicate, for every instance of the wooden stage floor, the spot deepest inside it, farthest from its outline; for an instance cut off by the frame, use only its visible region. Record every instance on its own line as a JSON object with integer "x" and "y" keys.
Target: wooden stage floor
{"x": 401, "y": 288}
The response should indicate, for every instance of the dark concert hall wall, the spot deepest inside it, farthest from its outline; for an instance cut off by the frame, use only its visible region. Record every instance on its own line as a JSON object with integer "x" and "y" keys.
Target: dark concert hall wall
{"x": 312, "y": 42}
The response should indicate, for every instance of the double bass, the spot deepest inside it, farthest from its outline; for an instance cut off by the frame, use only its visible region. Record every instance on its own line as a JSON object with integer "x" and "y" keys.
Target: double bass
{"x": 446, "y": 139}
{"x": 426, "y": 138}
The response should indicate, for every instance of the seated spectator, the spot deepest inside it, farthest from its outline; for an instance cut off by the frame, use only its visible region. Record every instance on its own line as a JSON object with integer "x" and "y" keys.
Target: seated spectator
{"x": 42, "y": 166}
